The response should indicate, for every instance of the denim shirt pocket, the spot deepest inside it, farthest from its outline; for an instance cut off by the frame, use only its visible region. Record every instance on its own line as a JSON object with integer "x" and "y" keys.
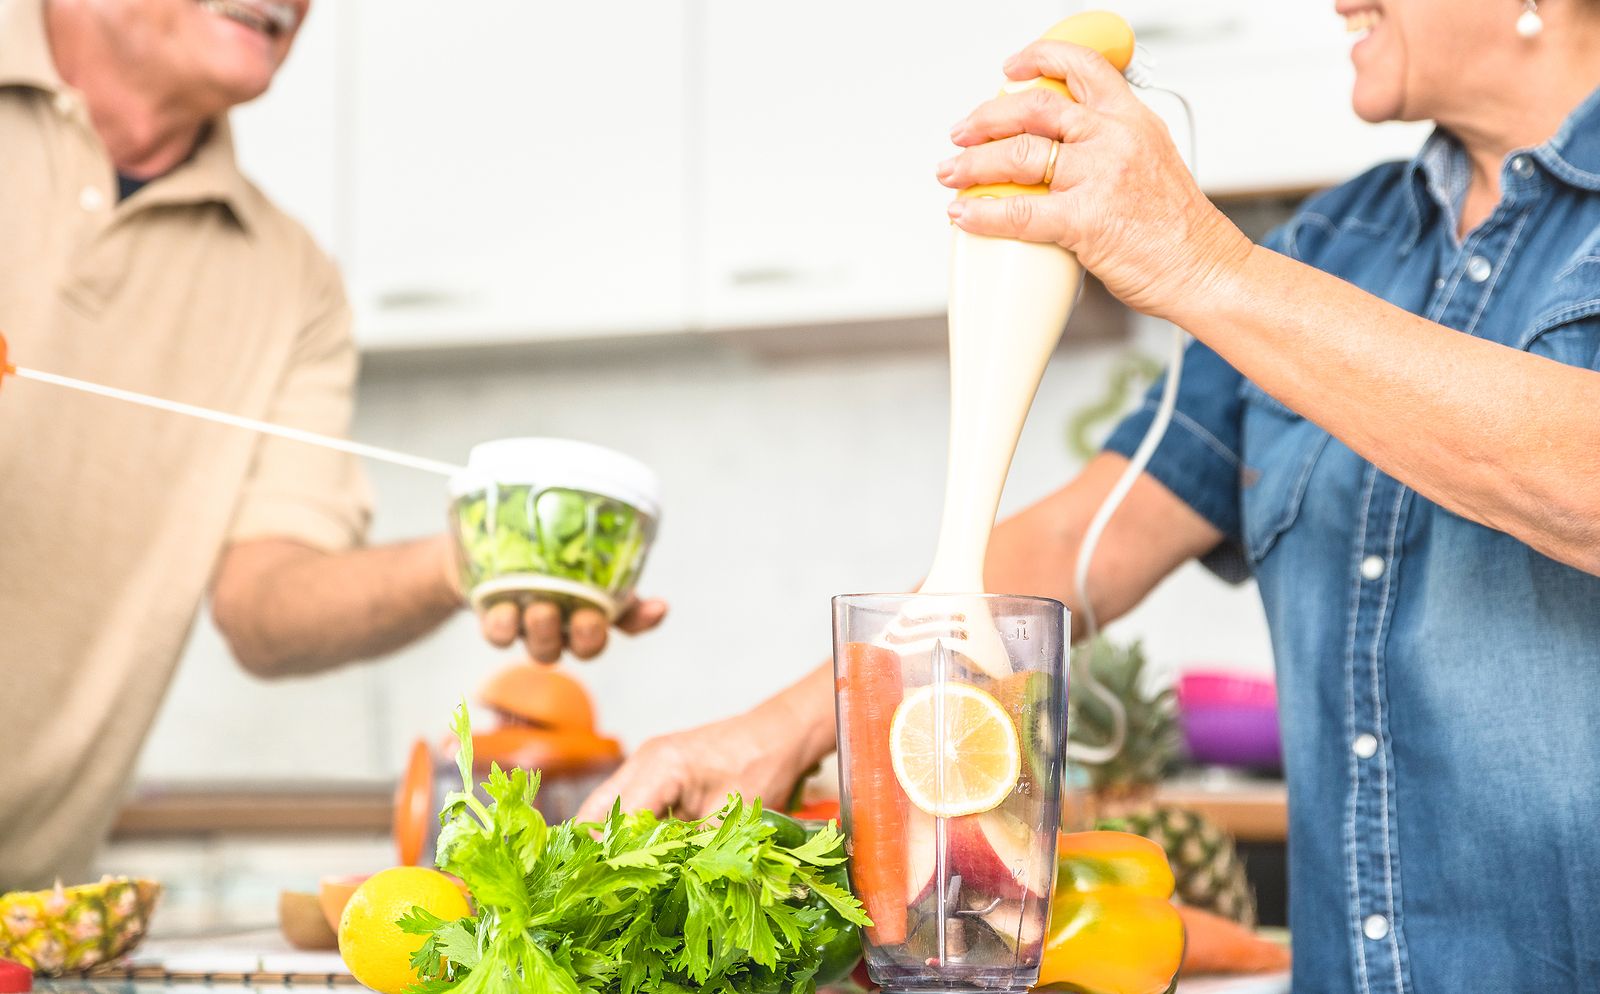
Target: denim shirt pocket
{"x": 1568, "y": 327}
{"x": 1280, "y": 449}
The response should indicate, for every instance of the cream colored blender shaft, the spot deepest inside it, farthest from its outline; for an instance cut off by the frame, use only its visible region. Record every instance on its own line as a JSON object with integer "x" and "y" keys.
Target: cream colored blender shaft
{"x": 1009, "y": 300}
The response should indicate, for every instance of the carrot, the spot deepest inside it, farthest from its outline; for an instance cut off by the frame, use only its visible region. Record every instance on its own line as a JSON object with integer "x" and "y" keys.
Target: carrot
{"x": 870, "y": 688}
{"x": 1216, "y": 945}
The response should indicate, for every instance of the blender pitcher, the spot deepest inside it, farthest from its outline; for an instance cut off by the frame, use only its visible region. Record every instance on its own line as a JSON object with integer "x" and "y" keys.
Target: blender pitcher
{"x": 950, "y": 778}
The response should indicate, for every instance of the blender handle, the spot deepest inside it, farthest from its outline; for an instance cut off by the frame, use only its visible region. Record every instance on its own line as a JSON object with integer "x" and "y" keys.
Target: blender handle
{"x": 1100, "y": 30}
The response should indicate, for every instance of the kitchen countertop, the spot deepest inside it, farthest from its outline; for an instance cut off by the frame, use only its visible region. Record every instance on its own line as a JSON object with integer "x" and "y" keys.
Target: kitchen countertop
{"x": 256, "y": 963}
{"x": 1254, "y": 811}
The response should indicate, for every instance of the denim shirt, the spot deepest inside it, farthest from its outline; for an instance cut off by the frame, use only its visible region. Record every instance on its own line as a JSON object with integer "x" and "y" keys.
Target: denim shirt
{"x": 1439, "y": 681}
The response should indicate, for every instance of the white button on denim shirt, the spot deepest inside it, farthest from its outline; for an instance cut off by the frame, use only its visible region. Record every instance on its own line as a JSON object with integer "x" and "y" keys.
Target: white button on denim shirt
{"x": 1439, "y": 680}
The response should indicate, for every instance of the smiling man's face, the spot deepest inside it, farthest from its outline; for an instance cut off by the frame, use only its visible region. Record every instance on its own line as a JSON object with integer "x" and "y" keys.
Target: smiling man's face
{"x": 228, "y": 48}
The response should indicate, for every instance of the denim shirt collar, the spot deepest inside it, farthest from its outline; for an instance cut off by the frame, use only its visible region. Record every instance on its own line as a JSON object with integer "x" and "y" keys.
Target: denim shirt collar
{"x": 1440, "y": 172}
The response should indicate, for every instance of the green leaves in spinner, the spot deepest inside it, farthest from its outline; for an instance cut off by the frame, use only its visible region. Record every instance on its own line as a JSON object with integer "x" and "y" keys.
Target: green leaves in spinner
{"x": 557, "y": 532}
{"x": 637, "y": 903}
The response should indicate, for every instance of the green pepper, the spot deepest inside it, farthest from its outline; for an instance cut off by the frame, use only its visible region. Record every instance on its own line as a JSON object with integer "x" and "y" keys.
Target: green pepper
{"x": 786, "y": 832}
{"x": 841, "y": 953}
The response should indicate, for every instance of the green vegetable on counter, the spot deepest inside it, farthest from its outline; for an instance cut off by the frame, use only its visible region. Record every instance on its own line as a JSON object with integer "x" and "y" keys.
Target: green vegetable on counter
{"x": 569, "y": 534}
{"x": 636, "y": 903}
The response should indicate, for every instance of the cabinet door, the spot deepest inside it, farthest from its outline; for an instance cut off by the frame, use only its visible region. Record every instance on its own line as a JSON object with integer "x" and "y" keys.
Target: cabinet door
{"x": 822, "y": 125}
{"x": 1270, "y": 86}
{"x": 288, "y": 141}
{"x": 517, "y": 170}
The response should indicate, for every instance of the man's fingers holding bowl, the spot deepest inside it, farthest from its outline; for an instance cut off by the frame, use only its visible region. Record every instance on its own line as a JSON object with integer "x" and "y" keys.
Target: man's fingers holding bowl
{"x": 500, "y": 623}
{"x": 1022, "y": 159}
{"x": 641, "y": 615}
{"x": 586, "y": 632}
{"x": 541, "y": 631}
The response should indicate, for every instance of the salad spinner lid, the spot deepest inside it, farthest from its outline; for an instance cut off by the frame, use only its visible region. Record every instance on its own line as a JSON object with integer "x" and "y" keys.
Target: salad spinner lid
{"x": 560, "y": 462}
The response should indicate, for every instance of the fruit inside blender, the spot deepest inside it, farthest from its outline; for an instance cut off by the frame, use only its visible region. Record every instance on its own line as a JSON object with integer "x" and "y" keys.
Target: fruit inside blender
{"x": 952, "y": 789}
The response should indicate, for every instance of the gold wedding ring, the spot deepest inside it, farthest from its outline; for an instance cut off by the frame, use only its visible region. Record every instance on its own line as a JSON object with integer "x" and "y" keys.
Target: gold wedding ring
{"x": 1050, "y": 166}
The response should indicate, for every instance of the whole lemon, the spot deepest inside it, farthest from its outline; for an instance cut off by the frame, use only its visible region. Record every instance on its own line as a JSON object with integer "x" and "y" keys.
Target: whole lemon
{"x": 370, "y": 940}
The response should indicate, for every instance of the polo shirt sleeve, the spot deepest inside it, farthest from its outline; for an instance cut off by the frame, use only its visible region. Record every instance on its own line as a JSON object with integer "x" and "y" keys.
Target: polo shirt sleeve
{"x": 1199, "y": 458}
{"x": 302, "y": 492}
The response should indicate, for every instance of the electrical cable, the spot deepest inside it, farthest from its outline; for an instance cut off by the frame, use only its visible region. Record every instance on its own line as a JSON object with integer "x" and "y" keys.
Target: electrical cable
{"x": 1139, "y": 75}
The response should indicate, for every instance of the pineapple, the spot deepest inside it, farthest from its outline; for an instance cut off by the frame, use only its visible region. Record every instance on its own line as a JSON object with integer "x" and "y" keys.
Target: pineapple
{"x": 1204, "y": 858}
{"x": 71, "y": 929}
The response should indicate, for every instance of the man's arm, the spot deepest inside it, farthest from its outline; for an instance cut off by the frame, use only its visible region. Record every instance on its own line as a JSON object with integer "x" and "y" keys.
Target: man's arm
{"x": 763, "y": 752}
{"x": 288, "y": 609}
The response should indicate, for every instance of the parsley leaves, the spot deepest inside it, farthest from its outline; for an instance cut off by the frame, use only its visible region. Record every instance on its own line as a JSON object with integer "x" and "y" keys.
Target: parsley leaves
{"x": 634, "y": 904}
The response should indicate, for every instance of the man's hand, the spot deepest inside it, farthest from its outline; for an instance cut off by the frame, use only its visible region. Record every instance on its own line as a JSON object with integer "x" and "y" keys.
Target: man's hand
{"x": 539, "y": 627}
{"x": 761, "y": 753}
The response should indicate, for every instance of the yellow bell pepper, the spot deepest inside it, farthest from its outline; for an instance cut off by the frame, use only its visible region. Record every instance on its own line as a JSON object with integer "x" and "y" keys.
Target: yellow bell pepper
{"x": 1113, "y": 928}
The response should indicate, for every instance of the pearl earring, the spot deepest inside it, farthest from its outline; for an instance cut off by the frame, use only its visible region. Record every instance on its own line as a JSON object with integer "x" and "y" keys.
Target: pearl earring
{"x": 1529, "y": 23}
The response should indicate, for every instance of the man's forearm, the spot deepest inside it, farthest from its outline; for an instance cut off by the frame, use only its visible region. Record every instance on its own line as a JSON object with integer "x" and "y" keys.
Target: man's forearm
{"x": 288, "y": 609}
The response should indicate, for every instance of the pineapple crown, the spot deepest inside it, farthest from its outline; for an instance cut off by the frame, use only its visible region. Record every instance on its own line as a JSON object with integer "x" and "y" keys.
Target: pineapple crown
{"x": 1152, "y": 740}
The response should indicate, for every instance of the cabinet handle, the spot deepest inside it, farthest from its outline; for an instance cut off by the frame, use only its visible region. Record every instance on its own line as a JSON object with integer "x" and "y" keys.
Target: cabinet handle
{"x": 758, "y": 276}
{"x": 421, "y": 299}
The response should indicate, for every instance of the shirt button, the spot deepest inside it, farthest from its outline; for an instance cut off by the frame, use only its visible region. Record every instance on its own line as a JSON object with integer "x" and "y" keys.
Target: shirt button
{"x": 1438, "y": 284}
{"x": 1372, "y": 567}
{"x": 1478, "y": 269}
{"x": 91, "y": 199}
{"x": 1365, "y": 745}
{"x": 1522, "y": 166}
{"x": 64, "y": 103}
{"x": 1375, "y": 927}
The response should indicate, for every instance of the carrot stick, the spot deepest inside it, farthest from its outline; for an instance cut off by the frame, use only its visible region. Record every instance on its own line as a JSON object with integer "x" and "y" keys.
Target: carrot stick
{"x": 870, "y": 687}
{"x": 1214, "y": 944}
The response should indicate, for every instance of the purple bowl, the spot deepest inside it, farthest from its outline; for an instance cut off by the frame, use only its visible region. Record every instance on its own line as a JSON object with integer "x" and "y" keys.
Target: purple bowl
{"x": 1230, "y": 720}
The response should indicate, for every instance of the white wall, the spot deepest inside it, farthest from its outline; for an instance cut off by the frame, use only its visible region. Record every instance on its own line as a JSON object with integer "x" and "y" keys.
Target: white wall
{"x": 787, "y": 481}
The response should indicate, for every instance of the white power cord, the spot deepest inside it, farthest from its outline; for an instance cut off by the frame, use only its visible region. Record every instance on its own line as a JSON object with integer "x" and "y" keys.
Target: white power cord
{"x": 1138, "y": 74}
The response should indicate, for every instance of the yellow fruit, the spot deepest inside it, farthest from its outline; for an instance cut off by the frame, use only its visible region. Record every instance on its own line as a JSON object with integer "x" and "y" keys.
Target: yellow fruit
{"x": 373, "y": 947}
{"x": 954, "y": 750}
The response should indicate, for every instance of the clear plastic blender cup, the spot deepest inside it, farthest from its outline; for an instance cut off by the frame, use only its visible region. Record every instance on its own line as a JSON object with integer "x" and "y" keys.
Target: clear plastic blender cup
{"x": 950, "y": 776}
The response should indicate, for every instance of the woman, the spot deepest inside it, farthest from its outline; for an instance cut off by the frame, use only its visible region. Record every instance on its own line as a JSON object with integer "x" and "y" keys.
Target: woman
{"x": 1392, "y": 417}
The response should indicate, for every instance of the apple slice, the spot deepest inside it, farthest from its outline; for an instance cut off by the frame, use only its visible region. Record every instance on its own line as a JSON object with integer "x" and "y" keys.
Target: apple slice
{"x": 993, "y": 854}
{"x": 996, "y": 855}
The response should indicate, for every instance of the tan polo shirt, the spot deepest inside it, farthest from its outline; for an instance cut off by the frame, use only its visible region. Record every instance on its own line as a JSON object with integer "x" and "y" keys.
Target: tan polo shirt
{"x": 112, "y": 517}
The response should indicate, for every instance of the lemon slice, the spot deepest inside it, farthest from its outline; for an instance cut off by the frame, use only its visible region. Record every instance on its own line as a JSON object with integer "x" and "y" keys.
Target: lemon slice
{"x": 979, "y": 761}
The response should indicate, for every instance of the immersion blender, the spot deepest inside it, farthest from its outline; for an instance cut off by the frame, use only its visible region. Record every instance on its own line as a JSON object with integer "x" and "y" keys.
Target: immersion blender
{"x": 1009, "y": 301}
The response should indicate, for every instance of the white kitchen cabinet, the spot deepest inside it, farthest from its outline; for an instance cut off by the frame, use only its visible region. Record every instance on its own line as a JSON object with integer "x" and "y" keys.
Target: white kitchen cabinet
{"x": 494, "y": 171}
{"x": 818, "y": 131}
{"x": 516, "y": 170}
{"x": 1270, "y": 86}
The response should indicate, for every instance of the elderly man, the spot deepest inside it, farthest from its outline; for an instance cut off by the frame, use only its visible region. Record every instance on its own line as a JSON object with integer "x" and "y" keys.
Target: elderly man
{"x": 134, "y": 253}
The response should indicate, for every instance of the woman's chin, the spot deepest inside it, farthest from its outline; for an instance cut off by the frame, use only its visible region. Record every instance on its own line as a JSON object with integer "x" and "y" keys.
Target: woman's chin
{"x": 1375, "y": 104}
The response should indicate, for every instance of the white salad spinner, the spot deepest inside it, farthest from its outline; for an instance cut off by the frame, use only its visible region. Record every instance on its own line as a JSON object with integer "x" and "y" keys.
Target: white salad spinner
{"x": 560, "y": 462}
{"x": 543, "y": 464}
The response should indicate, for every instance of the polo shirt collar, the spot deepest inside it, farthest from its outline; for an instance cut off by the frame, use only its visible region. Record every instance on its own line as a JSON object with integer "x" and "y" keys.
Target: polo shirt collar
{"x": 210, "y": 174}
{"x": 25, "y": 48}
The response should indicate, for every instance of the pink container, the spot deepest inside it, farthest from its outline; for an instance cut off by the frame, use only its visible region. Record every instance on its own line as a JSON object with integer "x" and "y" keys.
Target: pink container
{"x": 1230, "y": 719}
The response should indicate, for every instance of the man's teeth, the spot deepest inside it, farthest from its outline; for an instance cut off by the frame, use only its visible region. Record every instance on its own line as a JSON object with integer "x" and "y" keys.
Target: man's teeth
{"x": 269, "y": 17}
{"x": 1362, "y": 20}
